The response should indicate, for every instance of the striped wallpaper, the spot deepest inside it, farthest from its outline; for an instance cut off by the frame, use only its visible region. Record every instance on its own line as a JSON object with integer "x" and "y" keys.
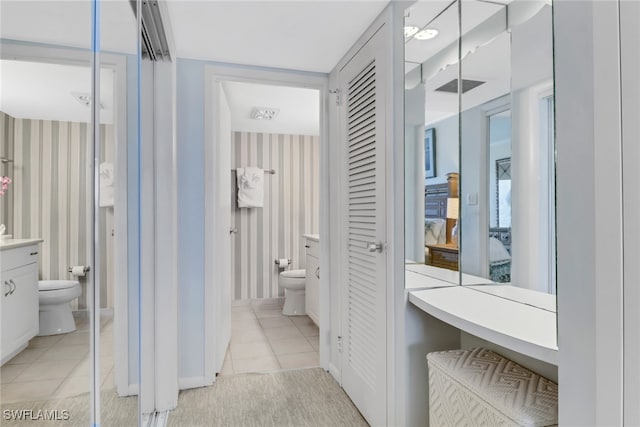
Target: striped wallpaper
{"x": 7, "y": 124}
{"x": 291, "y": 209}
{"x": 50, "y": 195}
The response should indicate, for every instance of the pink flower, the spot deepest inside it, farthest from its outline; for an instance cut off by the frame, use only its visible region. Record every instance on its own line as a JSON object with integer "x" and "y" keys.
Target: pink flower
{"x": 4, "y": 184}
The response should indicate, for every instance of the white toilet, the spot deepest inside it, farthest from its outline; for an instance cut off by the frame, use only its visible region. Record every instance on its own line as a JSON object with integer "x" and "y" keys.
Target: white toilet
{"x": 55, "y": 311}
{"x": 293, "y": 282}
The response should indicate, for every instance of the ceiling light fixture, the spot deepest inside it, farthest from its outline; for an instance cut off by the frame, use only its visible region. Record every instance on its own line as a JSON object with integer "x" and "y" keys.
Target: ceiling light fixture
{"x": 262, "y": 113}
{"x": 410, "y": 30}
{"x": 426, "y": 34}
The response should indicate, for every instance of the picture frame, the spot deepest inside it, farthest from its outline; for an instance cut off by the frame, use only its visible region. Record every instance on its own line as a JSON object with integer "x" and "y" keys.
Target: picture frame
{"x": 429, "y": 153}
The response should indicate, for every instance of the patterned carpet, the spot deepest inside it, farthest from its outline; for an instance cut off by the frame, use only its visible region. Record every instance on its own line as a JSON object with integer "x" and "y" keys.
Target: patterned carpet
{"x": 300, "y": 398}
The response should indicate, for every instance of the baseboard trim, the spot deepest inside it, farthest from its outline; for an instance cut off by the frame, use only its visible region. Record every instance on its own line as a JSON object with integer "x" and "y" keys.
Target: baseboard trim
{"x": 335, "y": 373}
{"x": 193, "y": 382}
{"x": 82, "y": 314}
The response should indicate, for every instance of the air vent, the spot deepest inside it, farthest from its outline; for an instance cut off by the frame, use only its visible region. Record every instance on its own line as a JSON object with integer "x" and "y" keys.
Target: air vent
{"x": 467, "y": 85}
{"x": 84, "y": 99}
{"x": 262, "y": 113}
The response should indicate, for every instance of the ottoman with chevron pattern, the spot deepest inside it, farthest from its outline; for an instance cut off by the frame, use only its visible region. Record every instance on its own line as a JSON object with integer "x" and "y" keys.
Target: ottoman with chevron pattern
{"x": 478, "y": 387}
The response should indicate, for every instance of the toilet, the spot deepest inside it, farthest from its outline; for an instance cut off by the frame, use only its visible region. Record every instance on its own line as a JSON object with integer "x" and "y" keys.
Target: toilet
{"x": 55, "y": 311}
{"x": 293, "y": 282}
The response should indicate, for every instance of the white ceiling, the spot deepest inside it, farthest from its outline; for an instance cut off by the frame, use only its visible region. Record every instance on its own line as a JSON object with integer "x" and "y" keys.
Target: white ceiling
{"x": 38, "y": 90}
{"x": 304, "y": 35}
{"x": 68, "y": 23}
{"x": 299, "y": 108}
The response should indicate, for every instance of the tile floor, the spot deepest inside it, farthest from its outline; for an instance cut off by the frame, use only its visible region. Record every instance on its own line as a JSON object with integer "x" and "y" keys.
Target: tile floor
{"x": 264, "y": 340}
{"x": 56, "y": 366}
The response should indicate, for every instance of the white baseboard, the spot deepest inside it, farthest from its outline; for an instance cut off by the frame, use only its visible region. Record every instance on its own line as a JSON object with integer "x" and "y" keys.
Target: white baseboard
{"x": 130, "y": 390}
{"x": 193, "y": 382}
{"x": 335, "y": 373}
{"x": 82, "y": 314}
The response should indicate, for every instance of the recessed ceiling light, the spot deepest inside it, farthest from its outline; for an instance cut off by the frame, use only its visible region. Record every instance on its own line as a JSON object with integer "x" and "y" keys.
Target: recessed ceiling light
{"x": 426, "y": 34}
{"x": 262, "y": 113}
{"x": 410, "y": 30}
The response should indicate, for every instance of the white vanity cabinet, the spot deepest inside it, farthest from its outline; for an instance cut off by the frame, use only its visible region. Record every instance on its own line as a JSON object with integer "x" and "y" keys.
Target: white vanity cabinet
{"x": 312, "y": 288}
{"x": 19, "y": 305}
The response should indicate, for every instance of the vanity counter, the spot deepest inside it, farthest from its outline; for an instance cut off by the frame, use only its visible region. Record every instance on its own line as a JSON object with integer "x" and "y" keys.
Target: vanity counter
{"x": 422, "y": 276}
{"x": 520, "y": 327}
{"x": 17, "y": 243}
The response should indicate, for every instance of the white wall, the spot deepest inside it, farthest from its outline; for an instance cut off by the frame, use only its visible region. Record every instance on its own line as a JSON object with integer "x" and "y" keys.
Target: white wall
{"x": 447, "y": 151}
{"x": 589, "y": 213}
{"x": 414, "y": 173}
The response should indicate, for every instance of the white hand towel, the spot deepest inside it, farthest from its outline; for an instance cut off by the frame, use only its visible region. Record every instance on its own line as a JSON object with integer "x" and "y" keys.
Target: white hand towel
{"x": 107, "y": 181}
{"x": 250, "y": 187}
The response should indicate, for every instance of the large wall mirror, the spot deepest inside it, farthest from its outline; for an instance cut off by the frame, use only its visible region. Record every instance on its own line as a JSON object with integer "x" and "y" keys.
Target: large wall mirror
{"x": 479, "y": 106}
{"x": 432, "y": 33}
{"x": 85, "y": 353}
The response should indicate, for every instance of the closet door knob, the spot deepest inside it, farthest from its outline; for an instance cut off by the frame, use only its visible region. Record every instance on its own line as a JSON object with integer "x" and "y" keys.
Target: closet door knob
{"x": 233, "y": 230}
{"x": 318, "y": 272}
{"x": 13, "y": 284}
{"x": 375, "y": 247}
{"x": 7, "y": 293}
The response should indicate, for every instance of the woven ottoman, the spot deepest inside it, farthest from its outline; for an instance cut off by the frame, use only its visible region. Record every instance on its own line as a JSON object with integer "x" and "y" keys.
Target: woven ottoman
{"x": 478, "y": 387}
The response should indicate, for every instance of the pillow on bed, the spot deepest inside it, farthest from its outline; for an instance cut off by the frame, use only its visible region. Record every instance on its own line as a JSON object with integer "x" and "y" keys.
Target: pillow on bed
{"x": 435, "y": 231}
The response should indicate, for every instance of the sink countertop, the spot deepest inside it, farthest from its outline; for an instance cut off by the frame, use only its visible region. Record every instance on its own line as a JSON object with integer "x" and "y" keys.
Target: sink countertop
{"x": 314, "y": 237}
{"x": 17, "y": 243}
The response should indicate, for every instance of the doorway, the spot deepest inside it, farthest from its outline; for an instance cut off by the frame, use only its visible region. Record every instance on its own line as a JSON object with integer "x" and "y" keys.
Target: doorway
{"x": 251, "y": 333}
{"x": 46, "y": 150}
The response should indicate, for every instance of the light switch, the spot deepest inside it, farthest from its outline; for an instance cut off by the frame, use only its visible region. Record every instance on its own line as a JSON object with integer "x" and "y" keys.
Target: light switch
{"x": 472, "y": 199}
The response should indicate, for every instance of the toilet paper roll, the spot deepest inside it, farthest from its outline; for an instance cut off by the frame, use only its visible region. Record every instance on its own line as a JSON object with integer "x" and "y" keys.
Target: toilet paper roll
{"x": 77, "y": 270}
{"x": 283, "y": 263}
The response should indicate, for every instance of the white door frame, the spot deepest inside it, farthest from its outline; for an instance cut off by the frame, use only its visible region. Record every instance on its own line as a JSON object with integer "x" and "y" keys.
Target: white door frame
{"x": 239, "y": 73}
{"x": 55, "y": 55}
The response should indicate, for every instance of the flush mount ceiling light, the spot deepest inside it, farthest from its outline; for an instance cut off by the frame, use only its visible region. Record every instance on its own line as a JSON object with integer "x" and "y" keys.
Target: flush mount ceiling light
{"x": 84, "y": 99}
{"x": 262, "y": 113}
{"x": 426, "y": 34}
{"x": 410, "y": 31}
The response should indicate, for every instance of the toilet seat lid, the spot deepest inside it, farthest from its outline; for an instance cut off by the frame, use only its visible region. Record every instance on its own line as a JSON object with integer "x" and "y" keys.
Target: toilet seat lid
{"x": 52, "y": 285}
{"x": 294, "y": 273}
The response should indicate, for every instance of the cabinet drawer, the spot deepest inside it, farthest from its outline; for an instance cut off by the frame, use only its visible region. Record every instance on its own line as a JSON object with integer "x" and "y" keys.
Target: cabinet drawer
{"x": 313, "y": 248}
{"x": 18, "y": 257}
{"x": 444, "y": 257}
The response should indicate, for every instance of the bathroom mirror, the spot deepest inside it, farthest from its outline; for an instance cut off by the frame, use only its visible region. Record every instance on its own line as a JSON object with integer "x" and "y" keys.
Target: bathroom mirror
{"x": 431, "y": 141}
{"x": 507, "y": 186}
{"x": 47, "y": 89}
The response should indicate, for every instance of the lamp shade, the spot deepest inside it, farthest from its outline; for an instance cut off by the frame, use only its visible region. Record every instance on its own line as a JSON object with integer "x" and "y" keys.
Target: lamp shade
{"x": 452, "y": 207}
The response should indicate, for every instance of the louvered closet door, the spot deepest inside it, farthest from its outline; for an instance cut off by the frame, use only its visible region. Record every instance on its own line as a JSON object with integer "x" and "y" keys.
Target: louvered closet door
{"x": 364, "y": 285}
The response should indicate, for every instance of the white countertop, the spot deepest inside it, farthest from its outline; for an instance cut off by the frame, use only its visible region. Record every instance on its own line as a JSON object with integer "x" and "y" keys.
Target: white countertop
{"x": 422, "y": 276}
{"x": 520, "y": 327}
{"x": 17, "y": 243}
{"x": 314, "y": 237}
{"x": 521, "y": 295}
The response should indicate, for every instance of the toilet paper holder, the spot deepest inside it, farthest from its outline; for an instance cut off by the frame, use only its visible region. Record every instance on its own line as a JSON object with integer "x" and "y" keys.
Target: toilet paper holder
{"x": 86, "y": 269}
{"x": 277, "y": 262}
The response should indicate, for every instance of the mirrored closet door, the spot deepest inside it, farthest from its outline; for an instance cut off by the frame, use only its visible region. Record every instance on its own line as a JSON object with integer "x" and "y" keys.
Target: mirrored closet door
{"x": 68, "y": 209}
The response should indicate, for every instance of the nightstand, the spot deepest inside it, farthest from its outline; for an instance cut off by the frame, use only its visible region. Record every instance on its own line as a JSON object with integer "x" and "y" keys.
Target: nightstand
{"x": 445, "y": 256}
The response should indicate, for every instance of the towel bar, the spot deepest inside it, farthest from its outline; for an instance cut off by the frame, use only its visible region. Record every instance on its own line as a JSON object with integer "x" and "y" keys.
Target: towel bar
{"x": 269, "y": 171}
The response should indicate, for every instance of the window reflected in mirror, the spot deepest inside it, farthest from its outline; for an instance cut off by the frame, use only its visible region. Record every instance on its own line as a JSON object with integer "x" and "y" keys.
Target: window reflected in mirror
{"x": 479, "y": 143}
{"x": 507, "y": 209}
